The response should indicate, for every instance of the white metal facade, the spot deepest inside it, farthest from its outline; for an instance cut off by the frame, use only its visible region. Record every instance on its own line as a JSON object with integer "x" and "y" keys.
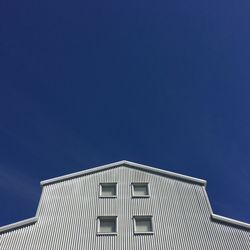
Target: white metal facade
{"x": 69, "y": 208}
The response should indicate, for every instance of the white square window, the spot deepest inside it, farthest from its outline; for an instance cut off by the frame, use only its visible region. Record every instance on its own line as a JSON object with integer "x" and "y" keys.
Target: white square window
{"x": 143, "y": 225}
{"x": 108, "y": 190}
{"x": 107, "y": 225}
{"x": 140, "y": 190}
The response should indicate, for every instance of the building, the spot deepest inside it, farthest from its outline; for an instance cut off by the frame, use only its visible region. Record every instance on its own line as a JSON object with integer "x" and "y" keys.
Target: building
{"x": 121, "y": 206}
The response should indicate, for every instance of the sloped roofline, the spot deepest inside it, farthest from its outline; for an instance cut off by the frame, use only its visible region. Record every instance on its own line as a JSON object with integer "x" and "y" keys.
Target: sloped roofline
{"x": 129, "y": 164}
{"x": 223, "y": 219}
{"x": 19, "y": 224}
{"x": 214, "y": 217}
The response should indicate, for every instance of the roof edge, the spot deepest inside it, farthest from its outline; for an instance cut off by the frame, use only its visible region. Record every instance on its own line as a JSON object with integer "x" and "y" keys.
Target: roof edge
{"x": 18, "y": 224}
{"x": 227, "y": 220}
{"x": 127, "y": 163}
{"x": 80, "y": 173}
{"x": 222, "y": 219}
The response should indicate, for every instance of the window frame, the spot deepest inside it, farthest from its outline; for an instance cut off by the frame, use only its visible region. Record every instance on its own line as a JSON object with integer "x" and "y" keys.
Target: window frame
{"x": 143, "y": 217}
{"x": 98, "y": 226}
{"x": 133, "y": 184}
{"x": 107, "y": 184}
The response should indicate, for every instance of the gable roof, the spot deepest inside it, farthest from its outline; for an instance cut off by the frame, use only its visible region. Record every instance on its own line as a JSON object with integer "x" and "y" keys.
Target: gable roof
{"x": 130, "y": 164}
{"x": 185, "y": 178}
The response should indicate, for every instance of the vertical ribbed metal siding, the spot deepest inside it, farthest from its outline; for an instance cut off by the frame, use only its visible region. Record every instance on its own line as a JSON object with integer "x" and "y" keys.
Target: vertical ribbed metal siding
{"x": 69, "y": 209}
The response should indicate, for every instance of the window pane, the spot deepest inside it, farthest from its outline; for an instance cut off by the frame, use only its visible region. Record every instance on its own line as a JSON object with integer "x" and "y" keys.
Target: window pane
{"x": 143, "y": 225}
{"x": 140, "y": 189}
{"x": 108, "y": 190}
{"x": 107, "y": 225}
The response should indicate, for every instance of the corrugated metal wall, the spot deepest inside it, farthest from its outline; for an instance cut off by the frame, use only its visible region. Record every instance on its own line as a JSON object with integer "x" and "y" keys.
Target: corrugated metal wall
{"x": 69, "y": 209}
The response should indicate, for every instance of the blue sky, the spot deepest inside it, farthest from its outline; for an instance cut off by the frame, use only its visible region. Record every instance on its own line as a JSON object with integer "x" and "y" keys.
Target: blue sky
{"x": 163, "y": 83}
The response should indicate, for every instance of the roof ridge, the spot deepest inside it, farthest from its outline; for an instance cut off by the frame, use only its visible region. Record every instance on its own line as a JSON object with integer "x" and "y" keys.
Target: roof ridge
{"x": 146, "y": 168}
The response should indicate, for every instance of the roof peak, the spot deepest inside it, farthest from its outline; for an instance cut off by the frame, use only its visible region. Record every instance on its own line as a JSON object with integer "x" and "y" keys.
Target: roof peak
{"x": 129, "y": 164}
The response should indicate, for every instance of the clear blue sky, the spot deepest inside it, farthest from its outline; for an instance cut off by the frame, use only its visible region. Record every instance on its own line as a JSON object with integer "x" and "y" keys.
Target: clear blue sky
{"x": 163, "y": 83}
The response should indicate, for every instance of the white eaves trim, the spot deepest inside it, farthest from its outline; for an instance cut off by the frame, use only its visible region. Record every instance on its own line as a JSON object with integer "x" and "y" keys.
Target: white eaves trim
{"x": 18, "y": 224}
{"x": 129, "y": 164}
{"x": 230, "y": 221}
{"x": 222, "y": 219}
